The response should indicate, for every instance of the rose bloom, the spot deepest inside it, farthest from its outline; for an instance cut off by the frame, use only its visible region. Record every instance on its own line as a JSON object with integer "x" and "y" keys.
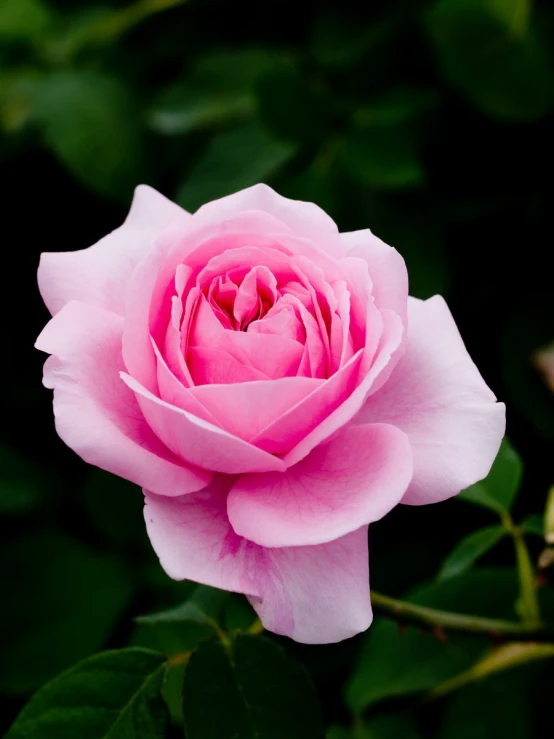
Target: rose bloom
{"x": 270, "y": 385}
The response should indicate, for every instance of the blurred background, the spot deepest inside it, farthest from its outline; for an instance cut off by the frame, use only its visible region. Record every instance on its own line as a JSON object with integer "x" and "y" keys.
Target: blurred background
{"x": 430, "y": 123}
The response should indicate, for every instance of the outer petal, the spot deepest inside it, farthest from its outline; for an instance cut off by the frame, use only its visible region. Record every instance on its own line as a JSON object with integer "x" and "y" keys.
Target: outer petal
{"x": 96, "y": 414}
{"x": 304, "y": 219}
{"x": 199, "y": 442}
{"x": 354, "y": 479}
{"x": 315, "y": 595}
{"x": 437, "y": 396}
{"x": 99, "y": 275}
{"x": 318, "y": 594}
{"x": 387, "y": 269}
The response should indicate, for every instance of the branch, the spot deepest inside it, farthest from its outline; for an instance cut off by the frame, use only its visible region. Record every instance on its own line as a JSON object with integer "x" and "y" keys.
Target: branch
{"x": 503, "y": 658}
{"x": 432, "y": 618}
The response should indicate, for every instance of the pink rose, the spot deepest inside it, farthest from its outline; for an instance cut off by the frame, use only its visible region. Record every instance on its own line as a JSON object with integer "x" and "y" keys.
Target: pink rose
{"x": 273, "y": 389}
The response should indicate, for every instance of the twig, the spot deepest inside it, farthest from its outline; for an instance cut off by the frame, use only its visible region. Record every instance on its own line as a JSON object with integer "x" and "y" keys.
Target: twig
{"x": 432, "y": 618}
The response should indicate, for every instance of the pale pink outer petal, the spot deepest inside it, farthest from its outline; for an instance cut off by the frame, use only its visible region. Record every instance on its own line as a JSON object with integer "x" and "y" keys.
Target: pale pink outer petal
{"x": 387, "y": 269}
{"x": 306, "y": 220}
{"x": 99, "y": 275}
{"x": 352, "y": 480}
{"x": 316, "y": 595}
{"x": 199, "y": 442}
{"x": 96, "y": 414}
{"x": 438, "y": 398}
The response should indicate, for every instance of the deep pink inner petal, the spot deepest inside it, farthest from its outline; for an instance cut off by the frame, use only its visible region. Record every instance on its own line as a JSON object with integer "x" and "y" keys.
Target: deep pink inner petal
{"x": 251, "y": 313}
{"x": 247, "y": 308}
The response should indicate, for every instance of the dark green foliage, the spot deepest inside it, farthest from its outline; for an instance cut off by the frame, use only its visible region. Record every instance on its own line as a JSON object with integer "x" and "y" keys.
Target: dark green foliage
{"x": 257, "y": 689}
{"x": 431, "y": 124}
{"x": 113, "y": 694}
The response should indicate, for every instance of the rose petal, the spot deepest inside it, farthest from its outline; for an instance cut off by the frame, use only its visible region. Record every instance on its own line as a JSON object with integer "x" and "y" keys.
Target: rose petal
{"x": 438, "y": 398}
{"x": 352, "y": 480}
{"x": 315, "y": 595}
{"x": 247, "y": 407}
{"x": 99, "y": 275}
{"x": 213, "y": 366}
{"x": 96, "y": 415}
{"x": 274, "y": 356}
{"x": 284, "y": 434}
{"x": 389, "y": 345}
{"x": 318, "y": 594}
{"x": 201, "y": 247}
{"x": 172, "y": 391}
{"x": 258, "y": 283}
{"x": 304, "y": 219}
{"x": 387, "y": 270}
{"x": 198, "y": 442}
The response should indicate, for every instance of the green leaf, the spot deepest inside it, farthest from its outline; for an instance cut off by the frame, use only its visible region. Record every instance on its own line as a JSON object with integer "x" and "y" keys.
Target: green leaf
{"x": 468, "y": 551}
{"x": 92, "y": 124}
{"x": 234, "y": 159}
{"x": 533, "y": 524}
{"x": 219, "y": 89}
{"x": 179, "y": 630}
{"x": 317, "y": 183}
{"x": 513, "y": 14}
{"x": 112, "y": 695}
{"x": 488, "y": 51}
{"x": 238, "y": 613}
{"x": 198, "y": 617}
{"x": 340, "y": 40}
{"x": 395, "y": 662}
{"x": 396, "y": 726}
{"x": 417, "y": 234}
{"x": 21, "y": 484}
{"x": 249, "y": 688}
{"x": 498, "y": 490}
{"x": 339, "y": 732}
{"x": 61, "y": 602}
{"x": 397, "y": 106}
{"x": 288, "y": 106}
{"x": 496, "y": 708}
{"x": 384, "y": 157}
{"x": 18, "y": 89}
{"x": 384, "y": 726}
{"x": 24, "y": 19}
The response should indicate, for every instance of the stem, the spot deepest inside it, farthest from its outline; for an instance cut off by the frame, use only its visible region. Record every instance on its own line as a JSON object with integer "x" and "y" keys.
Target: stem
{"x": 503, "y": 658}
{"x": 178, "y": 659}
{"x": 528, "y": 603}
{"x": 435, "y": 619}
{"x": 255, "y": 628}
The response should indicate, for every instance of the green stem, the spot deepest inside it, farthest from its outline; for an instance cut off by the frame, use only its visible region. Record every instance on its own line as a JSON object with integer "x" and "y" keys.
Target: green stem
{"x": 435, "y": 619}
{"x": 528, "y": 603}
{"x": 503, "y": 658}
